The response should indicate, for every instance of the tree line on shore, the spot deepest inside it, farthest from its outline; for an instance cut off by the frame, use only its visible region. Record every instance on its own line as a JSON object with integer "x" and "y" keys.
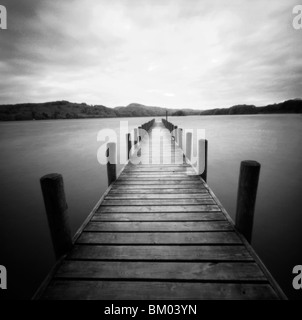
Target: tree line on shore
{"x": 69, "y": 110}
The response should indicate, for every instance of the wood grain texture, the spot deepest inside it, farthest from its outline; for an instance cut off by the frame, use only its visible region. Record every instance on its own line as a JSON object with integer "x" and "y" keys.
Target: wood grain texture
{"x": 159, "y": 226}
{"x": 155, "y": 191}
{"x": 188, "y": 216}
{"x": 155, "y": 238}
{"x": 167, "y": 208}
{"x": 125, "y": 196}
{"x": 158, "y": 202}
{"x": 139, "y": 290}
{"x": 160, "y": 252}
{"x": 200, "y": 271}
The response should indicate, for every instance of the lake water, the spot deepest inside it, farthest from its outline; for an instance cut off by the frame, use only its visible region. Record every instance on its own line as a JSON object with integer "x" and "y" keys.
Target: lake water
{"x": 32, "y": 149}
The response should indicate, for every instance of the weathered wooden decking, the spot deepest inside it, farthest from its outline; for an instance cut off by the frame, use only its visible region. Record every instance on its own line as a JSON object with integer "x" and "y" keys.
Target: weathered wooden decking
{"x": 159, "y": 232}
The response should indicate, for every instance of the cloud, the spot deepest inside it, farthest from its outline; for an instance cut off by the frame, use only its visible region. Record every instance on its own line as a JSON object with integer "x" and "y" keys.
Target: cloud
{"x": 211, "y": 53}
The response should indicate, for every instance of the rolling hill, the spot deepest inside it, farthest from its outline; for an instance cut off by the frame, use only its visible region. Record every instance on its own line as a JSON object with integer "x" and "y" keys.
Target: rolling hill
{"x": 68, "y": 110}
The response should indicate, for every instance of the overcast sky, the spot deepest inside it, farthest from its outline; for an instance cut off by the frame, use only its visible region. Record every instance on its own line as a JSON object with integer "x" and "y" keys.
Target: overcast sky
{"x": 177, "y": 53}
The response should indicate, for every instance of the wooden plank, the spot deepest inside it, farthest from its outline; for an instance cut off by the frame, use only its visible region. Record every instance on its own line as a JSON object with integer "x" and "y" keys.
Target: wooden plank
{"x": 159, "y": 182}
{"x": 146, "y": 196}
{"x": 188, "y": 216}
{"x": 160, "y": 252}
{"x": 158, "y": 178}
{"x": 179, "y": 171}
{"x": 157, "y": 172}
{"x": 158, "y": 187}
{"x": 158, "y": 175}
{"x": 158, "y": 202}
{"x": 153, "y": 193}
{"x": 154, "y": 168}
{"x": 158, "y": 160}
{"x": 160, "y": 226}
{"x": 179, "y": 208}
{"x": 200, "y": 271}
{"x": 159, "y": 238}
{"x": 139, "y": 290}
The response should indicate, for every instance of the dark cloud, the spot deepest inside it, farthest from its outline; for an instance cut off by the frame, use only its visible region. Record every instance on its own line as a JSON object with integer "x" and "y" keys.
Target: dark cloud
{"x": 171, "y": 53}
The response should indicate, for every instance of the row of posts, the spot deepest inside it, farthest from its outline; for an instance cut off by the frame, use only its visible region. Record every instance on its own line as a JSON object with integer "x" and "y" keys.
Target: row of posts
{"x": 248, "y": 178}
{"x": 111, "y": 148}
{"x": 56, "y": 206}
{"x": 202, "y": 161}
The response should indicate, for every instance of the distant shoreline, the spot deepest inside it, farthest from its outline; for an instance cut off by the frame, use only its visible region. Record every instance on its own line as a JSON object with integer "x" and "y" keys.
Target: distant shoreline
{"x": 196, "y": 115}
{"x": 64, "y": 110}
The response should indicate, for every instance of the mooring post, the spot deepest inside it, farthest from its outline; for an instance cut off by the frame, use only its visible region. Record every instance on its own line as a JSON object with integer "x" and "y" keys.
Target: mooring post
{"x": 57, "y": 214}
{"x": 135, "y": 137}
{"x": 180, "y": 138}
{"x": 203, "y": 158}
{"x": 128, "y": 144}
{"x": 111, "y": 162}
{"x": 246, "y": 198}
{"x": 175, "y": 133}
{"x": 140, "y": 134}
{"x": 189, "y": 145}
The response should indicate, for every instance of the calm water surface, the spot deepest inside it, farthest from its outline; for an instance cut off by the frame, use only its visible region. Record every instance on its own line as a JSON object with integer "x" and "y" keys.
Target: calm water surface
{"x": 32, "y": 149}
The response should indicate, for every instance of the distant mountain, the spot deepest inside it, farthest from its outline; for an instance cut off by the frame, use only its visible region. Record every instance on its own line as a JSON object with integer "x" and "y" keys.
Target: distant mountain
{"x": 289, "y": 106}
{"x": 69, "y": 110}
{"x": 53, "y": 110}
{"x": 140, "y": 110}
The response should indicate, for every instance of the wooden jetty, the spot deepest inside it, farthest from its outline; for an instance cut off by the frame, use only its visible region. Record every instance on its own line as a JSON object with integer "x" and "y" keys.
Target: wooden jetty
{"x": 159, "y": 232}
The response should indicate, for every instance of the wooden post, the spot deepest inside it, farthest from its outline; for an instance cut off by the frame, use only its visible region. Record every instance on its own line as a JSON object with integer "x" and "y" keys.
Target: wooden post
{"x": 111, "y": 164}
{"x": 175, "y": 133}
{"x": 189, "y": 145}
{"x": 128, "y": 143}
{"x": 246, "y": 198}
{"x": 140, "y": 134}
{"x": 135, "y": 137}
{"x": 166, "y": 115}
{"x": 56, "y": 209}
{"x": 203, "y": 158}
{"x": 180, "y": 138}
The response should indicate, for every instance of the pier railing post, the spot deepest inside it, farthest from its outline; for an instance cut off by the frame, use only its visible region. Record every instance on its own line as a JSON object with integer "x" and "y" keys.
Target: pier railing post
{"x": 128, "y": 145}
{"x": 135, "y": 137}
{"x": 175, "y": 133}
{"x": 111, "y": 164}
{"x": 56, "y": 209}
{"x": 203, "y": 158}
{"x": 189, "y": 145}
{"x": 246, "y": 198}
{"x": 139, "y": 133}
{"x": 180, "y": 138}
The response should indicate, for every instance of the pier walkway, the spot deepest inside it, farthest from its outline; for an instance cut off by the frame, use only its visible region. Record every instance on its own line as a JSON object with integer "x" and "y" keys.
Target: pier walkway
{"x": 159, "y": 232}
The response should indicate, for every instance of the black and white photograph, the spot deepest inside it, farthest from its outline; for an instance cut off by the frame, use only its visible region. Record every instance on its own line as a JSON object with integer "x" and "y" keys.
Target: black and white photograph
{"x": 150, "y": 152}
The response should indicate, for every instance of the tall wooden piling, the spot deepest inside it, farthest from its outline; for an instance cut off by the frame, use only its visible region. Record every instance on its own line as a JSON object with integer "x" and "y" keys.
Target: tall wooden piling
{"x": 3, "y": 278}
{"x": 175, "y": 133}
{"x": 180, "y": 138}
{"x": 140, "y": 133}
{"x": 135, "y": 137}
{"x": 111, "y": 163}
{"x": 246, "y": 199}
{"x": 56, "y": 209}
{"x": 189, "y": 145}
{"x": 203, "y": 158}
{"x": 128, "y": 145}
